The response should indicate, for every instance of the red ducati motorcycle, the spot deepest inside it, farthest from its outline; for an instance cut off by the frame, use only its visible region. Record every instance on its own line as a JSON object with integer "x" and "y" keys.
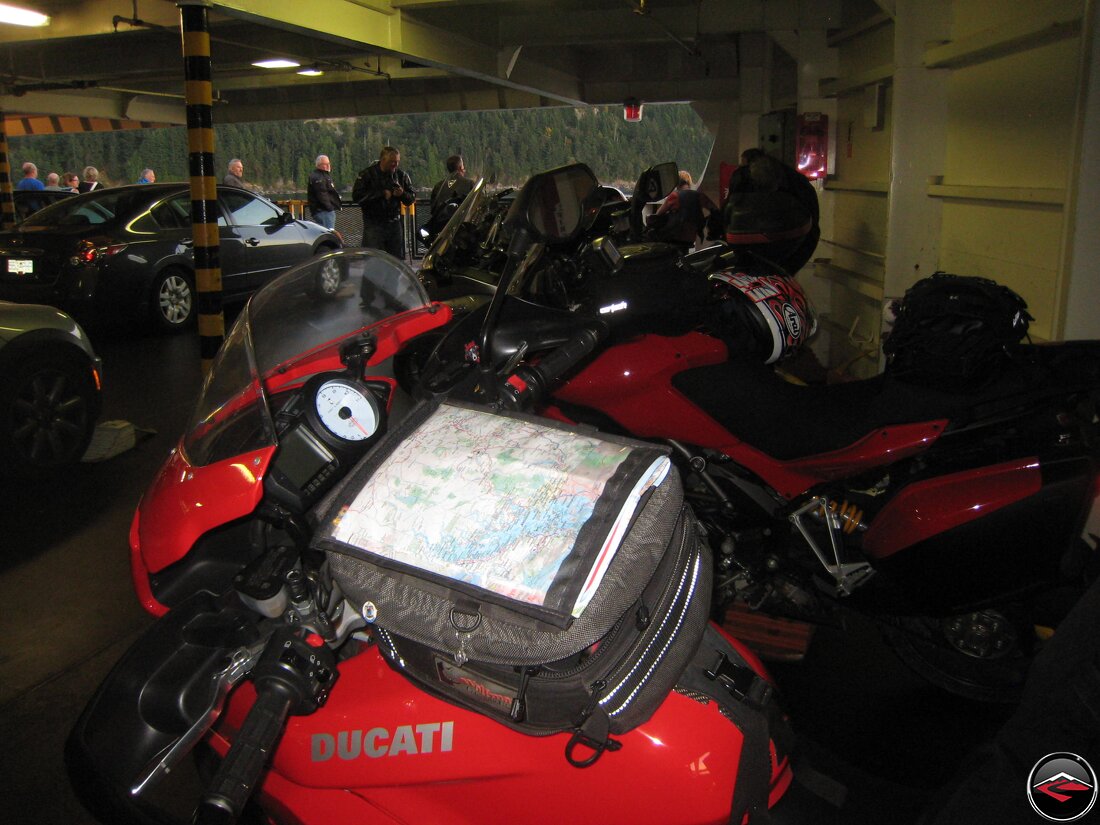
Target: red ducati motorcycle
{"x": 961, "y": 516}
{"x": 260, "y": 658}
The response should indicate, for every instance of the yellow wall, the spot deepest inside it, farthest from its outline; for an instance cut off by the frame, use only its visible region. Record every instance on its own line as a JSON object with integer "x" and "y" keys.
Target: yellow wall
{"x": 1010, "y": 129}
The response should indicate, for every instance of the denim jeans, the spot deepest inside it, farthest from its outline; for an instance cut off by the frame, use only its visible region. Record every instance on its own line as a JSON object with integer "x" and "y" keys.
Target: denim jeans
{"x": 327, "y": 219}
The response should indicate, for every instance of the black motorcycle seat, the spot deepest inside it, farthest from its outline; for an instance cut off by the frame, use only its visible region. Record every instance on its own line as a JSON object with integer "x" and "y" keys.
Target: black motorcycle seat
{"x": 789, "y": 421}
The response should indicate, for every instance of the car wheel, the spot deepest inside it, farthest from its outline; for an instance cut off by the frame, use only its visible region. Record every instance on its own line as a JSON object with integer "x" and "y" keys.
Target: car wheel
{"x": 48, "y": 409}
{"x": 173, "y": 300}
{"x": 328, "y": 278}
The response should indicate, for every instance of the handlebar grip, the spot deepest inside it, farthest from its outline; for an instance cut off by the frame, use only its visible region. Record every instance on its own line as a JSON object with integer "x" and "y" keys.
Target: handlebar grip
{"x": 242, "y": 767}
{"x": 533, "y": 381}
{"x": 558, "y": 362}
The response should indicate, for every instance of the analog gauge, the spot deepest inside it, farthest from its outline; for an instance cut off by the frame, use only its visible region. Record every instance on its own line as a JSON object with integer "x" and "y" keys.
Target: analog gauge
{"x": 349, "y": 411}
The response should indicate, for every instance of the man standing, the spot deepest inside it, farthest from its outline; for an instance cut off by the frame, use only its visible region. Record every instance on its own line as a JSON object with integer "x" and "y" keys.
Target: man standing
{"x": 235, "y": 174}
{"x": 451, "y": 190}
{"x": 324, "y": 200}
{"x": 147, "y": 176}
{"x": 53, "y": 183}
{"x": 30, "y": 178}
{"x": 380, "y": 189}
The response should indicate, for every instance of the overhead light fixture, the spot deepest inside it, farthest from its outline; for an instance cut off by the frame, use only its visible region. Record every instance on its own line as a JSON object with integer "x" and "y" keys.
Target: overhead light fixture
{"x": 632, "y": 109}
{"x": 277, "y": 63}
{"x": 311, "y": 71}
{"x": 22, "y": 17}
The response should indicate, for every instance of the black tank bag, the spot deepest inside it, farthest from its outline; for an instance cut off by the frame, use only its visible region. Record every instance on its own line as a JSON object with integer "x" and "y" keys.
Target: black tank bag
{"x": 537, "y": 668}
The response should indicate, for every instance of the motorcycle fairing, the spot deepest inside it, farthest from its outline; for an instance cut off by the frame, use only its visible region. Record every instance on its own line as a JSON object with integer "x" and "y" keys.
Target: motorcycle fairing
{"x": 170, "y": 684}
{"x": 1021, "y": 545}
{"x": 187, "y": 501}
{"x": 688, "y": 749}
{"x": 636, "y": 384}
{"x": 927, "y": 508}
{"x": 184, "y": 502}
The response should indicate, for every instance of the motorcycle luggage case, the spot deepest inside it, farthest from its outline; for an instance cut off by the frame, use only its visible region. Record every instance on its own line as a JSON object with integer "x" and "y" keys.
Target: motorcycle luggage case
{"x": 535, "y": 667}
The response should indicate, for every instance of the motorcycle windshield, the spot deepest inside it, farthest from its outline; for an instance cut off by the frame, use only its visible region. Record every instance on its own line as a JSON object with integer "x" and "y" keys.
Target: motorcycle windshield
{"x": 308, "y": 308}
{"x": 468, "y": 212}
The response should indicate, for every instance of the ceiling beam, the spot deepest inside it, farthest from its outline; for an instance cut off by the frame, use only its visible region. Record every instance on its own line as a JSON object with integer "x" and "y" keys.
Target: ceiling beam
{"x": 712, "y": 18}
{"x": 401, "y": 34}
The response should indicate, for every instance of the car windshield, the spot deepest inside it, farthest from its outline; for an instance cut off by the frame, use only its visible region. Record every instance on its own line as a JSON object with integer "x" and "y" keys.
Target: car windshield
{"x": 284, "y": 323}
{"x": 87, "y": 211}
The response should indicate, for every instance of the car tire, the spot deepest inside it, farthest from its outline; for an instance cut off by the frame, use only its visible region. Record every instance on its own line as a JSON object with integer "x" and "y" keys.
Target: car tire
{"x": 172, "y": 300}
{"x": 329, "y": 277}
{"x": 48, "y": 409}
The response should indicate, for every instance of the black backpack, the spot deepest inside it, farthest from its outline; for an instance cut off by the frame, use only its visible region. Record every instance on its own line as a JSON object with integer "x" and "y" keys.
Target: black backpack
{"x": 537, "y": 668}
{"x": 954, "y": 331}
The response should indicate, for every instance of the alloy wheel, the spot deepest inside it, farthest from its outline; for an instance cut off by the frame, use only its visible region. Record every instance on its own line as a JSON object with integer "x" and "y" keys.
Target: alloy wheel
{"x": 51, "y": 418}
{"x": 174, "y": 299}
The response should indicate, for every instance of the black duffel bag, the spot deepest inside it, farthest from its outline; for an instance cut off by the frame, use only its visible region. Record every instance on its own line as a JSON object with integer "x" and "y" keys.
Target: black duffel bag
{"x": 954, "y": 331}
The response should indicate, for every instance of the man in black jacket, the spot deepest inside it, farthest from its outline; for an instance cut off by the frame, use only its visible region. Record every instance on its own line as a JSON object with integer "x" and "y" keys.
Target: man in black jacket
{"x": 380, "y": 189}
{"x": 324, "y": 200}
{"x": 453, "y": 189}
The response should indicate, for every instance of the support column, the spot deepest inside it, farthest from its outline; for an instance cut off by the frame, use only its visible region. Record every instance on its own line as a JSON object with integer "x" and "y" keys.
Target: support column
{"x": 918, "y": 145}
{"x": 7, "y": 200}
{"x": 1083, "y": 207}
{"x": 735, "y": 124}
{"x": 198, "y": 91}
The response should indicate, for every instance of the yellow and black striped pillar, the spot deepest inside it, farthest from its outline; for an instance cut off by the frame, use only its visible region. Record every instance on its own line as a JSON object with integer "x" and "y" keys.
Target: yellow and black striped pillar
{"x": 7, "y": 200}
{"x": 198, "y": 91}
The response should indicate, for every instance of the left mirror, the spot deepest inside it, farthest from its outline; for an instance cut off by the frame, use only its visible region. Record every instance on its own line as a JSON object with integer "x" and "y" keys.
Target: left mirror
{"x": 555, "y": 205}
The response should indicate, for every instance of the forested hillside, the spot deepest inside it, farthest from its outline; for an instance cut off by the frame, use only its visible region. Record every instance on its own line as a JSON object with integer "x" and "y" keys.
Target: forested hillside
{"x": 503, "y": 146}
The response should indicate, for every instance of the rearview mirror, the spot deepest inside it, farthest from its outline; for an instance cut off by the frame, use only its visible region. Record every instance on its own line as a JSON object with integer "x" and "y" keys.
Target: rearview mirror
{"x": 657, "y": 182}
{"x": 654, "y": 184}
{"x": 554, "y": 206}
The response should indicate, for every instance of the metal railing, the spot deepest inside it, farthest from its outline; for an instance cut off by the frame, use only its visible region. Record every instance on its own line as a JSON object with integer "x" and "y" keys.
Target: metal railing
{"x": 349, "y": 223}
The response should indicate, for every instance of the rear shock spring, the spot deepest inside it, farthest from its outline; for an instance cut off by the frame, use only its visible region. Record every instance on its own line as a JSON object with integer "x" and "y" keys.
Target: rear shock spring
{"x": 849, "y": 515}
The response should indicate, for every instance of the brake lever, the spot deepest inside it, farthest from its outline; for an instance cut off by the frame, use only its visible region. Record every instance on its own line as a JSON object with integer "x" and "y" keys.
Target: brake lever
{"x": 514, "y": 359}
{"x": 241, "y": 661}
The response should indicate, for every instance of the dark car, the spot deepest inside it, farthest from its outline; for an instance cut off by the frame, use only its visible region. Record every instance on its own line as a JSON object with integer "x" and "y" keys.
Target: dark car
{"x": 127, "y": 252}
{"x": 49, "y": 390}
{"x": 29, "y": 201}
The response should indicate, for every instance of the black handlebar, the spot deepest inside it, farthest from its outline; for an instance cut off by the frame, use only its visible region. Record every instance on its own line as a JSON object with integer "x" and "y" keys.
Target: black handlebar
{"x": 293, "y": 676}
{"x": 530, "y": 383}
{"x": 242, "y": 767}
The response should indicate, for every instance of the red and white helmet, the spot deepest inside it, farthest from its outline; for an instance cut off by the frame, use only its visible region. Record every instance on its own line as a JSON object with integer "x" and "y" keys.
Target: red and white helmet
{"x": 770, "y": 314}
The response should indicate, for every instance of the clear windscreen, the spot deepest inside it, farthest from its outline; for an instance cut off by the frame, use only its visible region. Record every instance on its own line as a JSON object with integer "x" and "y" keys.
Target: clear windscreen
{"x": 312, "y": 306}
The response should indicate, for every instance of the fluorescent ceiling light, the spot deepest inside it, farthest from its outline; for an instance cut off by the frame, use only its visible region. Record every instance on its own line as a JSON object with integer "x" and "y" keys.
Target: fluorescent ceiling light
{"x": 313, "y": 71}
{"x": 277, "y": 63}
{"x": 22, "y": 17}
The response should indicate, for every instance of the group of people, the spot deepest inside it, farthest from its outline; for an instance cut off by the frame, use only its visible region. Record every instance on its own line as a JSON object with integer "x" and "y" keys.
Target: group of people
{"x": 383, "y": 187}
{"x": 65, "y": 182}
{"x": 72, "y": 182}
{"x": 380, "y": 190}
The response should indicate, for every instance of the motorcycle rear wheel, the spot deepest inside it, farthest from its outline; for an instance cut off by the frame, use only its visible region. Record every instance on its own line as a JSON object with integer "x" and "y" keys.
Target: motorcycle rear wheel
{"x": 921, "y": 645}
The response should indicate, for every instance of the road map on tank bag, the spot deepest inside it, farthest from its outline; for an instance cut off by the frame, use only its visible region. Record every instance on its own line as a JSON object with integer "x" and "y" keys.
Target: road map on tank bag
{"x": 507, "y": 504}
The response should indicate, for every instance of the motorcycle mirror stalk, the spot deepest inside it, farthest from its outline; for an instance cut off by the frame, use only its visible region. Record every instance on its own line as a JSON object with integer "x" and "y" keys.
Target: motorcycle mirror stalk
{"x": 356, "y": 352}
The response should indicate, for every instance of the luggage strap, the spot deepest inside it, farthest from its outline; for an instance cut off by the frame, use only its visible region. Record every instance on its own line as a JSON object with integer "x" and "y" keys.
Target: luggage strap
{"x": 754, "y": 700}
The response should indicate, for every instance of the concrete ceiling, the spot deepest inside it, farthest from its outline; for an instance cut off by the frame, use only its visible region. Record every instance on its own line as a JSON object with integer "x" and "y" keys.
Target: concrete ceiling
{"x": 121, "y": 59}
